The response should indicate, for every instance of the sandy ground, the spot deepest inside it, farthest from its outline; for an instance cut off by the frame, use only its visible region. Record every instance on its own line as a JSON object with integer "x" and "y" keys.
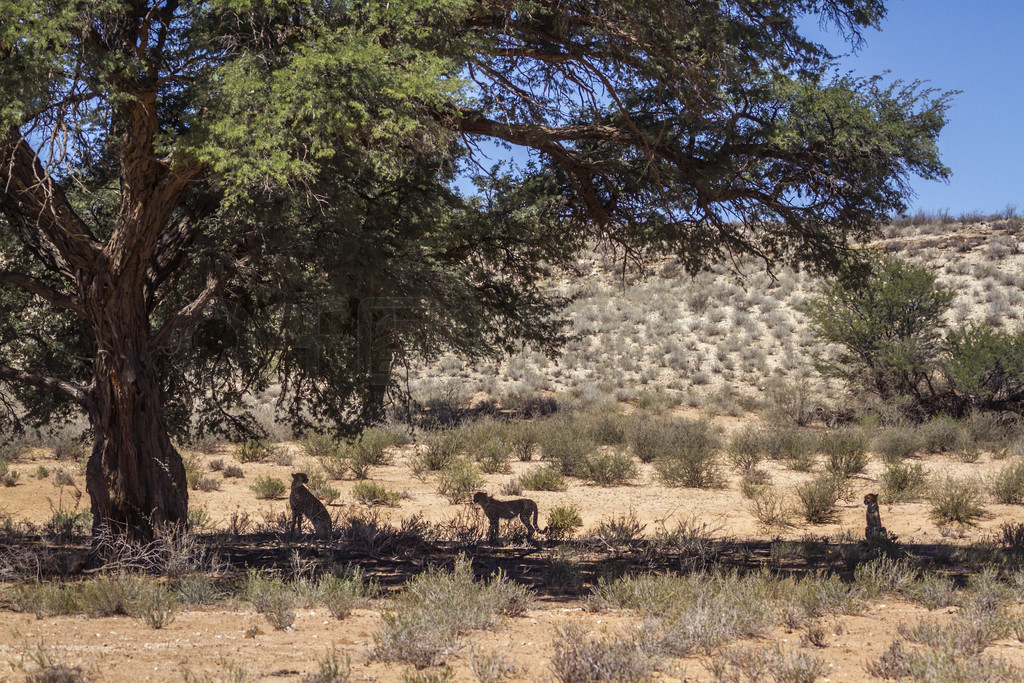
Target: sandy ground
{"x": 213, "y": 641}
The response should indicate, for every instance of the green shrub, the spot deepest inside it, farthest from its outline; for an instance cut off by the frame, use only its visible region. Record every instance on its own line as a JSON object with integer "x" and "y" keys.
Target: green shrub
{"x": 771, "y": 508}
{"x": 372, "y": 444}
{"x": 941, "y": 435}
{"x": 565, "y": 444}
{"x": 343, "y": 594}
{"x": 545, "y": 478}
{"x": 897, "y": 443}
{"x": 746, "y": 448}
{"x": 984, "y": 366}
{"x": 610, "y": 468}
{"x": 372, "y": 493}
{"x": 522, "y": 440}
{"x": 903, "y": 482}
{"x": 255, "y": 450}
{"x": 956, "y": 500}
{"x": 606, "y": 426}
{"x": 437, "y": 608}
{"x": 658, "y": 437}
{"x": 888, "y": 326}
{"x": 562, "y": 522}
{"x": 272, "y": 598}
{"x": 790, "y": 445}
{"x": 458, "y": 480}
{"x": 693, "y": 461}
{"x": 268, "y": 488}
{"x": 442, "y": 449}
{"x": 1008, "y": 485}
{"x": 846, "y": 450}
{"x": 8, "y": 477}
{"x": 818, "y": 498}
{"x": 70, "y": 449}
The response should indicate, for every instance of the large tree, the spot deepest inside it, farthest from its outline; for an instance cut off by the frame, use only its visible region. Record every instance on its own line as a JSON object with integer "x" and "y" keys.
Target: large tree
{"x": 200, "y": 198}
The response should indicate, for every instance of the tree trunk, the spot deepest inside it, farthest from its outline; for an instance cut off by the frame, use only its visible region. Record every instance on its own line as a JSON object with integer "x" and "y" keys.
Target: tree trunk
{"x": 135, "y": 477}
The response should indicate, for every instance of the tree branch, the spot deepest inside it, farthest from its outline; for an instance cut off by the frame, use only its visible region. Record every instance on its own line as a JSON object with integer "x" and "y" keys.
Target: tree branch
{"x": 75, "y": 392}
{"x": 40, "y": 289}
{"x": 39, "y": 211}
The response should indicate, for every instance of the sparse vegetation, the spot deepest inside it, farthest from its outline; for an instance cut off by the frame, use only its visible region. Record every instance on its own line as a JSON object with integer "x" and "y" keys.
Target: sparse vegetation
{"x": 267, "y": 488}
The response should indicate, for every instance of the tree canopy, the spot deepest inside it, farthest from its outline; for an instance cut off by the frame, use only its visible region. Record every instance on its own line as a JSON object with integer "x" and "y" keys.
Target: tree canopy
{"x": 202, "y": 198}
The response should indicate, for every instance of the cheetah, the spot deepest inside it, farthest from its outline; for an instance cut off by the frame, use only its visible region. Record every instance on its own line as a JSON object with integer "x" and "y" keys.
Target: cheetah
{"x": 496, "y": 510}
{"x": 874, "y": 519}
{"x": 304, "y": 503}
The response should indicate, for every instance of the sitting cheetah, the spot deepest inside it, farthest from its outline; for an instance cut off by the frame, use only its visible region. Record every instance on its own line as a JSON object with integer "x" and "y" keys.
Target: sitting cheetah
{"x": 304, "y": 503}
{"x": 874, "y": 519}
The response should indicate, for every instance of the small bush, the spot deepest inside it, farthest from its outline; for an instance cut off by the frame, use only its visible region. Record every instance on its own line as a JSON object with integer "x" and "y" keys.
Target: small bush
{"x": 818, "y": 499}
{"x": 70, "y": 449}
{"x": 792, "y": 446}
{"x": 771, "y": 508}
{"x": 267, "y": 488}
{"x": 1008, "y": 486}
{"x": 343, "y": 594}
{"x": 656, "y": 438}
{"x": 442, "y": 449}
{"x": 42, "y": 472}
{"x": 956, "y": 501}
{"x": 693, "y": 461}
{"x": 372, "y": 493}
{"x": 545, "y": 478}
{"x": 563, "y": 521}
{"x": 522, "y": 440}
{"x": 566, "y": 445}
{"x": 941, "y": 435}
{"x": 615, "y": 468}
{"x": 579, "y": 658}
{"x": 746, "y": 448}
{"x": 846, "y": 450}
{"x": 233, "y": 472}
{"x": 217, "y": 465}
{"x": 255, "y": 450}
{"x": 897, "y": 443}
{"x": 903, "y": 482}
{"x": 619, "y": 533}
{"x": 208, "y": 484}
{"x": 458, "y": 480}
{"x": 8, "y": 477}
{"x": 272, "y": 598}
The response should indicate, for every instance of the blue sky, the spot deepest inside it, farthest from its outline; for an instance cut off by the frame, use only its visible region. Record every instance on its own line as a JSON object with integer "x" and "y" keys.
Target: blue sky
{"x": 976, "y": 47}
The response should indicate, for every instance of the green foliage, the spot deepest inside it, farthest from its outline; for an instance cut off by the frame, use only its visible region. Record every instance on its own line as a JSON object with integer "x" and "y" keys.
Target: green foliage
{"x": 458, "y": 480}
{"x": 846, "y": 450}
{"x": 1008, "y": 486}
{"x": 267, "y": 488}
{"x": 544, "y": 478}
{"x": 817, "y": 499}
{"x": 985, "y": 367}
{"x": 903, "y": 482}
{"x": 255, "y": 450}
{"x": 566, "y": 444}
{"x": 610, "y": 468}
{"x": 955, "y": 500}
{"x": 562, "y": 522}
{"x": 372, "y": 493}
{"x": 888, "y": 325}
{"x": 688, "y": 454}
{"x": 894, "y": 444}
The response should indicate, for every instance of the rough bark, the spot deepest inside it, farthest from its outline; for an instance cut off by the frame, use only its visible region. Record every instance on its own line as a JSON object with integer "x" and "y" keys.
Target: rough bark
{"x": 135, "y": 477}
